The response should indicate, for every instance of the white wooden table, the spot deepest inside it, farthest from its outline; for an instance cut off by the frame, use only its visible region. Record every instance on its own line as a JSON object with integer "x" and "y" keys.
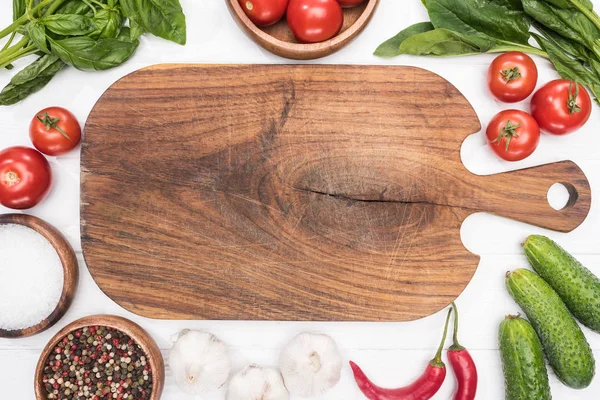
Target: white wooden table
{"x": 392, "y": 353}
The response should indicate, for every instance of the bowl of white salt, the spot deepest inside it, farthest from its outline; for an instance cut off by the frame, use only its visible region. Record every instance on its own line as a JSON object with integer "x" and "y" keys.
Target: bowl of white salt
{"x": 38, "y": 275}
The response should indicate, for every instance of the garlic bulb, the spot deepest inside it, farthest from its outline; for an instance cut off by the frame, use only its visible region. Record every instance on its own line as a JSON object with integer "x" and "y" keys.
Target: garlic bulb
{"x": 257, "y": 383}
{"x": 310, "y": 364}
{"x": 199, "y": 361}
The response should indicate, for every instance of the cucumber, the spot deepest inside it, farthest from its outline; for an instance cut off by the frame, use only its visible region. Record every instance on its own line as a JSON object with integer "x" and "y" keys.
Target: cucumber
{"x": 568, "y": 351}
{"x": 525, "y": 374}
{"x": 578, "y": 288}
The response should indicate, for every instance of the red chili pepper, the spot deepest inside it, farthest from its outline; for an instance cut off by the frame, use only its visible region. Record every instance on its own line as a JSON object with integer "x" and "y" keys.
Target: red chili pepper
{"x": 423, "y": 388}
{"x": 463, "y": 366}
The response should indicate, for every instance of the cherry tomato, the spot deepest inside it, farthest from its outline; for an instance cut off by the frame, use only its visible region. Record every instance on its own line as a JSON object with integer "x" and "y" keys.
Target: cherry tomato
{"x": 54, "y": 131}
{"x": 350, "y": 3}
{"x": 561, "y": 107}
{"x": 512, "y": 77}
{"x": 313, "y": 21}
{"x": 513, "y": 134}
{"x": 264, "y": 12}
{"x": 25, "y": 177}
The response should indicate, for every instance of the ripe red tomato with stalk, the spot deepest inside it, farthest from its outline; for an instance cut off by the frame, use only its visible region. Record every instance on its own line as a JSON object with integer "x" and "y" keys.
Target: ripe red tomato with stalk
{"x": 513, "y": 135}
{"x": 54, "y": 131}
{"x": 512, "y": 77}
{"x": 25, "y": 177}
{"x": 350, "y": 3}
{"x": 313, "y": 21}
{"x": 561, "y": 106}
{"x": 264, "y": 12}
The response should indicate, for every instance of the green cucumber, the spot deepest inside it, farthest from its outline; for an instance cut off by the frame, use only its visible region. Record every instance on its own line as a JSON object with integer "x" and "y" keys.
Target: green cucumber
{"x": 525, "y": 374}
{"x": 568, "y": 351}
{"x": 578, "y": 288}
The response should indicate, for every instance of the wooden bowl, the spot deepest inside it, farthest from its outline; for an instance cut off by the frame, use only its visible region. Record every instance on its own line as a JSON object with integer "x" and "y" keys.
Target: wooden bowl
{"x": 70, "y": 269}
{"x": 278, "y": 38}
{"x": 136, "y": 332}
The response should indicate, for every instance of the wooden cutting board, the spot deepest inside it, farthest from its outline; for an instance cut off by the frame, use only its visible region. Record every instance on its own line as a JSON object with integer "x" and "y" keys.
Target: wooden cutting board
{"x": 292, "y": 192}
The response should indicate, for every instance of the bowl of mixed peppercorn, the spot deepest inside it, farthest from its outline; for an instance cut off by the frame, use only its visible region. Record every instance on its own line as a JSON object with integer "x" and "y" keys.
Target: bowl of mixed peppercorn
{"x": 98, "y": 358}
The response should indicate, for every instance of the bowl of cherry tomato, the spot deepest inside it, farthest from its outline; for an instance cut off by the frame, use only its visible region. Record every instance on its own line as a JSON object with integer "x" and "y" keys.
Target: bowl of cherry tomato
{"x": 302, "y": 29}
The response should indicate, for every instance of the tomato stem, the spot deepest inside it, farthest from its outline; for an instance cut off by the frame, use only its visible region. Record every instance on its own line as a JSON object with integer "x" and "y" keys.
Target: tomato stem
{"x": 511, "y": 74}
{"x": 11, "y": 178}
{"x": 51, "y": 123}
{"x": 572, "y": 101}
{"x": 509, "y": 131}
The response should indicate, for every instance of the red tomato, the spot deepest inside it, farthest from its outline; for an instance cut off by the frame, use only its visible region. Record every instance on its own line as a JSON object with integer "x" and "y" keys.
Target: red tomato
{"x": 512, "y": 77}
{"x": 25, "y": 177}
{"x": 313, "y": 21}
{"x": 350, "y": 3}
{"x": 55, "y": 131}
{"x": 561, "y": 107}
{"x": 513, "y": 134}
{"x": 264, "y": 12}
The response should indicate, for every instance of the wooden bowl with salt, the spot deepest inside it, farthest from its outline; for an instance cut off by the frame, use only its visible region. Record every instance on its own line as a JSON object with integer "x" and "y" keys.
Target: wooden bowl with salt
{"x": 278, "y": 38}
{"x": 70, "y": 271}
{"x": 130, "y": 328}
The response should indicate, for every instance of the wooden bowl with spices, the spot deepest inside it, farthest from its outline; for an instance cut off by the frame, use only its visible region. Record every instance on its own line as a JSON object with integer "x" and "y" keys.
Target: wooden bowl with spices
{"x": 278, "y": 38}
{"x": 70, "y": 273}
{"x": 117, "y": 352}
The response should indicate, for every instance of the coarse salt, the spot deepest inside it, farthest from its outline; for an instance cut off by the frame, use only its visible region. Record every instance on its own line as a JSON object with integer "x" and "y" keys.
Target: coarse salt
{"x": 31, "y": 277}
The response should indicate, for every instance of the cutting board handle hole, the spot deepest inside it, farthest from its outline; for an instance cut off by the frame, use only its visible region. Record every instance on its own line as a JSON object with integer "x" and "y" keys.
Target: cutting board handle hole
{"x": 562, "y": 195}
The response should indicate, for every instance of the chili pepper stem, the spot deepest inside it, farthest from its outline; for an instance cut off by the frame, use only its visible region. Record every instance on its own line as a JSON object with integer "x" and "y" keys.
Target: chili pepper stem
{"x": 437, "y": 360}
{"x": 455, "y": 345}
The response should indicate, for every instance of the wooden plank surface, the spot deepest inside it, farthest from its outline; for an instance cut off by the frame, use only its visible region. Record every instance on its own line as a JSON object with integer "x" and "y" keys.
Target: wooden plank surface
{"x": 292, "y": 193}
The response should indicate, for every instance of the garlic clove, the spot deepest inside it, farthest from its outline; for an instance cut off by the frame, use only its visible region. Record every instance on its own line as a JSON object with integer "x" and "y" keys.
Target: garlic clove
{"x": 311, "y": 364}
{"x": 257, "y": 383}
{"x": 199, "y": 362}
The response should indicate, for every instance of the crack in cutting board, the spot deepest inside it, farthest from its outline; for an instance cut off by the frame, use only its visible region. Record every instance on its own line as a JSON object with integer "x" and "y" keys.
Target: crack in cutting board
{"x": 292, "y": 192}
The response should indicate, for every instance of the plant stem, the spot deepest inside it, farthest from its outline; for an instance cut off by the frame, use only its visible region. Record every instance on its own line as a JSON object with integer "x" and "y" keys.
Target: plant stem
{"x": 9, "y": 42}
{"x": 519, "y": 47}
{"x": 592, "y": 16}
{"x": 438, "y": 355}
{"x": 12, "y": 50}
{"x": 23, "y": 53}
{"x": 52, "y": 9}
{"x": 23, "y": 19}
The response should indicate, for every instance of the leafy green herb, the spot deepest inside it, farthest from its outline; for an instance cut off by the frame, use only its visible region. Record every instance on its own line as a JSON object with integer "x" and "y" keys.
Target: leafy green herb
{"x": 136, "y": 30}
{"x": 69, "y": 24}
{"x": 88, "y": 54}
{"x": 391, "y": 47}
{"x": 31, "y": 79}
{"x": 108, "y": 23}
{"x": 162, "y": 18}
{"x": 37, "y": 34}
{"x": 439, "y": 42}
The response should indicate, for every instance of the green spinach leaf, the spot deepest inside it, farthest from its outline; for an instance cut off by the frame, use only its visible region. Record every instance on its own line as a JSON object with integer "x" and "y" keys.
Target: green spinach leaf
{"x": 88, "y": 54}
{"x": 569, "y": 68}
{"x": 438, "y": 42}
{"x": 31, "y": 79}
{"x": 37, "y": 34}
{"x": 480, "y": 18}
{"x": 575, "y": 49}
{"x": 569, "y": 3}
{"x": 69, "y": 24}
{"x": 391, "y": 47}
{"x": 162, "y": 18}
{"x": 570, "y": 23}
{"x": 19, "y": 8}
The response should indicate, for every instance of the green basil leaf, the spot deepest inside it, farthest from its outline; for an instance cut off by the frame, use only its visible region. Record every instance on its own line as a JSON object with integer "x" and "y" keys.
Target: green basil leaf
{"x": 481, "y": 18}
{"x": 569, "y": 68}
{"x": 77, "y": 7}
{"x": 391, "y": 47}
{"x": 69, "y": 24}
{"x": 31, "y": 79}
{"x": 570, "y": 23}
{"x": 162, "y": 18}
{"x": 439, "y": 42}
{"x": 37, "y": 33}
{"x": 88, "y": 54}
{"x": 108, "y": 23}
{"x": 575, "y": 49}
{"x": 135, "y": 29}
{"x": 19, "y": 8}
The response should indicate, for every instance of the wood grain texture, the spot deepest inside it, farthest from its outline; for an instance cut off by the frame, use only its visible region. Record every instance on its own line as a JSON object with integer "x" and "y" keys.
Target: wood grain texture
{"x": 292, "y": 192}
{"x": 70, "y": 269}
{"x": 136, "y": 332}
{"x": 278, "y": 38}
